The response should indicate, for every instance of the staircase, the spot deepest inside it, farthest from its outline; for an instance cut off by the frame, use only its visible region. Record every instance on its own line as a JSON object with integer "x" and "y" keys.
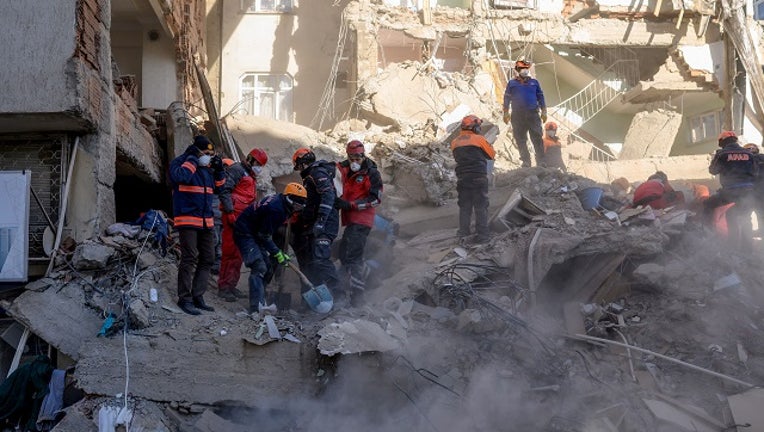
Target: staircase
{"x": 620, "y": 74}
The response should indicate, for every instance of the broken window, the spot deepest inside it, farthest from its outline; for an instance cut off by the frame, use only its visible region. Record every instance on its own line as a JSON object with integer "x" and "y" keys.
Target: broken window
{"x": 266, "y": 95}
{"x": 704, "y": 127}
{"x": 255, "y": 6}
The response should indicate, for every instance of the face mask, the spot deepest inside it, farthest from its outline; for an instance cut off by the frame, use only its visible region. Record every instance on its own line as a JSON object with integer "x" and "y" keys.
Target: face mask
{"x": 525, "y": 73}
{"x": 551, "y": 133}
{"x": 355, "y": 166}
{"x": 257, "y": 170}
{"x": 204, "y": 160}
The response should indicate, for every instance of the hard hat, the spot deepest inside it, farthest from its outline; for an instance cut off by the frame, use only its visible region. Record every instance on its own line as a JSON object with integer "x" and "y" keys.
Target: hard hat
{"x": 522, "y": 64}
{"x": 550, "y": 126}
{"x": 355, "y": 147}
{"x": 228, "y": 162}
{"x": 296, "y": 190}
{"x": 659, "y": 175}
{"x": 753, "y": 148}
{"x": 470, "y": 122}
{"x": 726, "y": 134}
{"x": 258, "y": 156}
{"x": 303, "y": 156}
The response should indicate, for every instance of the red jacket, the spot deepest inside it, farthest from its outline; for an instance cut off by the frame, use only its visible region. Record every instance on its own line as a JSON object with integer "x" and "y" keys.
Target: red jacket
{"x": 654, "y": 194}
{"x": 239, "y": 190}
{"x": 363, "y": 190}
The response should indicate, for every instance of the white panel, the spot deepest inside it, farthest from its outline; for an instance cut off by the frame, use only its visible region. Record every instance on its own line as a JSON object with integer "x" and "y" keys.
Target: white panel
{"x": 14, "y": 225}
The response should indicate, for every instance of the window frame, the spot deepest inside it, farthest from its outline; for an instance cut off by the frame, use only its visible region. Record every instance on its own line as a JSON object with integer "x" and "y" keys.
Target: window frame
{"x": 249, "y": 105}
{"x": 248, "y": 5}
{"x": 707, "y": 135}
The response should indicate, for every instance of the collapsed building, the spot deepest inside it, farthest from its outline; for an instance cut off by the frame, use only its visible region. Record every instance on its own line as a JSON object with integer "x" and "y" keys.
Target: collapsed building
{"x": 453, "y": 337}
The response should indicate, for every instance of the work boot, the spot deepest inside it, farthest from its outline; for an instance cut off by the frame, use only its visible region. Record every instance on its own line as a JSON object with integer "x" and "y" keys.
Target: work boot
{"x": 238, "y": 293}
{"x": 200, "y": 304}
{"x": 188, "y": 307}
{"x": 481, "y": 239}
{"x": 227, "y": 296}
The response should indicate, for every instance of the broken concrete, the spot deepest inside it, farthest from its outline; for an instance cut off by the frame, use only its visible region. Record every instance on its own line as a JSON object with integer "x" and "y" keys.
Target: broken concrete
{"x": 651, "y": 134}
{"x": 92, "y": 256}
{"x": 351, "y": 337}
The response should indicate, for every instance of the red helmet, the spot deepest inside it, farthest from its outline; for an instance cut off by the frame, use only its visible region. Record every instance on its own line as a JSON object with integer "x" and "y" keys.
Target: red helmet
{"x": 258, "y": 156}
{"x": 355, "y": 147}
{"x": 470, "y": 122}
{"x": 726, "y": 134}
{"x": 522, "y": 64}
{"x": 303, "y": 156}
{"x": 550, "y": 126}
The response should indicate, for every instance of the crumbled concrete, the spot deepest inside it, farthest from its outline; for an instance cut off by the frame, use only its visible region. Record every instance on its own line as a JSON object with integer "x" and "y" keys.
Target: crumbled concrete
{"x": 651, "y": 134}
{"x": 90, "y": 255}
{"x": 353, "y": 337}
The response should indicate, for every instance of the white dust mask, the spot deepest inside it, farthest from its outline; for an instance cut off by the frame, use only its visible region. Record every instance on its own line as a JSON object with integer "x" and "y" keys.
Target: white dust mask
{"x": 204, "y": 160}
{"x": 525, "y": 73}
{"x": 257, "y": 170}
{"x": 355, "y": 166}
{"x": 551, "y": 133}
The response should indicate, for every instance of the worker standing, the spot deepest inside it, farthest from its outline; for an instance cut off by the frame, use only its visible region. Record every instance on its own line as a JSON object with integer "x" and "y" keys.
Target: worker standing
{"x": 552, "y": 147}
{"x": 195, "y": 174}
{"x": 472, "y": 153}
{"x": 238, "y": 192}
{"x": 361, "y": 193}
{"x": 318, "y": 224}
{"x": 523, "y": 99}
{"x": 758, "y": 185}
{"x": 254, "y": 230}
{"x": 737, "y": 170}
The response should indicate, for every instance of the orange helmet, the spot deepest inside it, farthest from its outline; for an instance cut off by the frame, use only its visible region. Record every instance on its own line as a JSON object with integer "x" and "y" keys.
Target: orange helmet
{"x": 258, "y": 156}
{"x": 751, "y": 147}
{"x": 522, "y": 64}
{"x": 228, "y": 162}
{"x": 303, "y": 156}
{"x": 355, "y": 147}
{"x": 725, "y": 136}
{"x": 470, "y": 122}
{"x": 550, "y": 126}
{"x": 296, "y": 189}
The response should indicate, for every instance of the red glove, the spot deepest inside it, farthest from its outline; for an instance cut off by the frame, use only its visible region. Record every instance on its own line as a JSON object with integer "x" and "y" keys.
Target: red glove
{"x": 230, "y": 218}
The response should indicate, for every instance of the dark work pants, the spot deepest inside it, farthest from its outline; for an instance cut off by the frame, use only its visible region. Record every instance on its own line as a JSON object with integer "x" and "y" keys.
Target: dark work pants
{"x": 352, "y": 246}
{"x": 197, "y": 253}
{"x": 314, "y": 255}
{"x": 524, "y": 123}
{"x": 473, "y": 195}
{"x": 553, "y": 158}
{"x": 260, "y": 269}
{"x": 739, "y": 227}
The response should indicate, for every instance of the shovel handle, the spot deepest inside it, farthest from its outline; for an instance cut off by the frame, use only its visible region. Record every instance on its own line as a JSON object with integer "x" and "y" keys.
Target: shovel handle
{"x": 304, "y": 278}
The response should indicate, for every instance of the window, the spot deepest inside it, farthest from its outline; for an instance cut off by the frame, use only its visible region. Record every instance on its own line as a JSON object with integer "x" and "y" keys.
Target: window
{"x": 704, "y": 127}
{"x": 266, "y": 95}
{"x": 278, "y": 6}
{"x": 758, "y": 9}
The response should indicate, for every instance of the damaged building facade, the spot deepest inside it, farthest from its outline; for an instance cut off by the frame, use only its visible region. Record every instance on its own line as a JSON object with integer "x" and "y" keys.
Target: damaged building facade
{"x": 83, "y": 108}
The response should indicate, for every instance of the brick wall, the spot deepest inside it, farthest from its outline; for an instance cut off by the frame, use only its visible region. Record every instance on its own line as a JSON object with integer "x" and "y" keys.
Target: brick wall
{"x": 89, "y": 27}
{"x": 185, "y": 19}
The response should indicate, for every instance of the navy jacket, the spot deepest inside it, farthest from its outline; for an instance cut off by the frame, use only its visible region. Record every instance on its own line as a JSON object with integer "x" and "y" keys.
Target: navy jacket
{"x": 193, "y": 189}
{"x": 524, "y": 95}
{"x": 261, "y": 220}
{"x": 735, "y": 166}
{"x": 318, "y": 180}
{"x": 472, "y": 153}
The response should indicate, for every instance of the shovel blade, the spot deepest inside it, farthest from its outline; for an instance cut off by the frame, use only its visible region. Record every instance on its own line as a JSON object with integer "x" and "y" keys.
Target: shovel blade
{"x": 319, "y": 299}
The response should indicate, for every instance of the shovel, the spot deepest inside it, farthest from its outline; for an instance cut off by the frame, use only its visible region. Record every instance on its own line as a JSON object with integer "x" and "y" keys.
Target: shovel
{"x": 319, "y": 298}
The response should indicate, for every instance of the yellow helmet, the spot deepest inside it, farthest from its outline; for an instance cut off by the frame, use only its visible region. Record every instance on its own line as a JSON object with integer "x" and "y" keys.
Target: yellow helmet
{"x": 296, "y": 189}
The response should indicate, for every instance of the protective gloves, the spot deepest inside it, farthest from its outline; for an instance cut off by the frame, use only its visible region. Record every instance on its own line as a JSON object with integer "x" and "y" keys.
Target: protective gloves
{"x": 543, "y": 116}
{"x": 216, "y": 163}
{"x": 507, "y": 117}
{"x": 318, "y": 229}
{"x": 341, "y": 204}
{"x": 282, "y": 258}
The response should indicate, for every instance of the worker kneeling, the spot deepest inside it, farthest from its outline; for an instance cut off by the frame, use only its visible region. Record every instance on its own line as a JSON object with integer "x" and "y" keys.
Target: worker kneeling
{"x": 657, "y": 193}
{"x": 254, "y": 231}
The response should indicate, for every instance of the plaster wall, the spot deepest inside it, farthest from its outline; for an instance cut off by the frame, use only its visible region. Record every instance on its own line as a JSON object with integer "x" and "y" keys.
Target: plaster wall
{"x": 40, "y": 35}
{"x": 709, "y": 58}
{"x": 159, "y": 88}
{"x": 126, "y": 47}
{"x": 282, "y": 43}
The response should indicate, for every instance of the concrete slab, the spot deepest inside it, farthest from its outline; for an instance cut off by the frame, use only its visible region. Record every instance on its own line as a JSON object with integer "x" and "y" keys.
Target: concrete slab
{"x": 746, "y": 408}
{"x": 196, "y": 368}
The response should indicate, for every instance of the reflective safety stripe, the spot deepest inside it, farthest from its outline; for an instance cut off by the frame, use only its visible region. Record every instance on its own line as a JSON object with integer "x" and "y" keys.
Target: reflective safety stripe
{"x": 189, "y": 166}
{"x": 194, "y": 221}
{"x": 192, "y": 189}
{"x": 219, "y": 183}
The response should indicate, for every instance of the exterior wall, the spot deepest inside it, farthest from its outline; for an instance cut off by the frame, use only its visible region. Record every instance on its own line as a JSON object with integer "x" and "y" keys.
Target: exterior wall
{"x": 681, "y": 167}
{"x": 160, "y": 88}
{"x": 282, "y": 43}
{"x": 37, "y": 81}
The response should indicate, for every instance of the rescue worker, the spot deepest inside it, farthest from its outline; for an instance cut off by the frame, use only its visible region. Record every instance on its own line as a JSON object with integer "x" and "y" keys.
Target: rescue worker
{"x": 361, "y": 193}
{"x": 552, "y": 147}
{"x": 758, "y": 185}
{"x": 194, "y": 175}
{"x": 657, "y": 193}
{"x": 523, "y": 99}
{"x": 318, "y": 224}
{"x": 254, "y": 230}
{"x": 238, "y": 192}
{"x": 737, "y": 172}
{"x": 472, "y": 153}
